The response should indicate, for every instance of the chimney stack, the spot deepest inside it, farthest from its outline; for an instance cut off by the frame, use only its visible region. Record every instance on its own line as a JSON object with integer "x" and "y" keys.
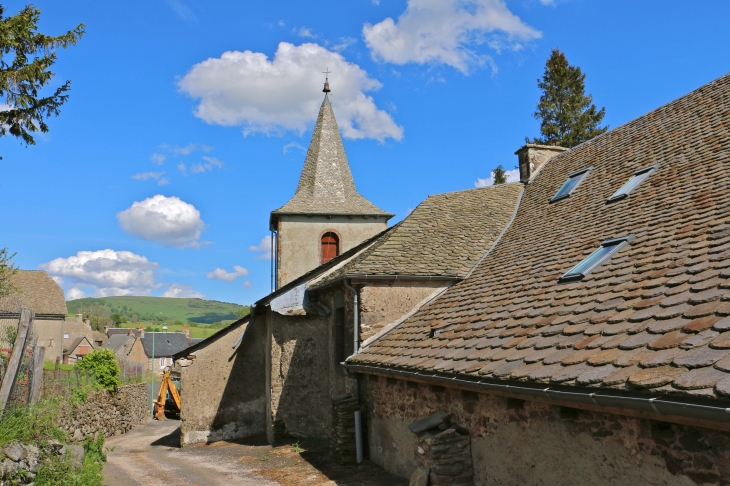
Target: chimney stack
{"x": 140, "y": 332}
{"x": 186, "y": 331}
{"x": 532, "y": 156}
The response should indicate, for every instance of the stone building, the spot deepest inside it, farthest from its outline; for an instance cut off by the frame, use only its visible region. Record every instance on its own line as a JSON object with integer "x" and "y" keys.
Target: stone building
{"x": 159, "y": 348}
{"x": 76, "y": 350}
{"x": 284, "y": 375}
{"x": 591, "y": 345}
{"x": 326, "y": 216}
{"x": 40, "y": 293}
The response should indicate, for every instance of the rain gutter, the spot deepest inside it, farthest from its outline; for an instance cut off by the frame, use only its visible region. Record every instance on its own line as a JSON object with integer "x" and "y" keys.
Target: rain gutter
{"x": 663, "y": 405}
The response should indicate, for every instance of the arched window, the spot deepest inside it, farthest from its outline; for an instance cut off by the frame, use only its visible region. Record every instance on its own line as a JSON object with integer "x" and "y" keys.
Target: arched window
{"x": 330, "y": 246}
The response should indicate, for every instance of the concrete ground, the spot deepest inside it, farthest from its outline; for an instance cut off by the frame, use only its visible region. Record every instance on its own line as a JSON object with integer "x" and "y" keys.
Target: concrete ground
{"x": 150, "y": 455}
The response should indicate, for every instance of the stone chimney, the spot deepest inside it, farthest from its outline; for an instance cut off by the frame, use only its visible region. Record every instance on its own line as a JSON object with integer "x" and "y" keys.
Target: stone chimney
{"x": 140, "y": 332}
{"x": 533, "y": 156}
{"x": 186, "y": 331}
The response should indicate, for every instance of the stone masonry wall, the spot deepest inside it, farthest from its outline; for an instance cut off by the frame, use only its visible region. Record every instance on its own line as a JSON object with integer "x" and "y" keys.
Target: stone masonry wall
{"x": 342, "y": 441}
{"x": 523, "y": 442}
{"x": 110, "y": 413}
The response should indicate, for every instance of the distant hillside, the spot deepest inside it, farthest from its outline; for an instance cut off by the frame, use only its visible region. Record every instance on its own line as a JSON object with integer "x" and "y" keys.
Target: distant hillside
{"x": 162, "y": 308}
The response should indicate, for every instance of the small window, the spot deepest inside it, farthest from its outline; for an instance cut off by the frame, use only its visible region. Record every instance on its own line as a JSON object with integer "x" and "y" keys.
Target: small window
{"x": 330, "y": 246}
{"x": 639, "y": 176}
{"x": 65, "y": 335}
{"x": 603, "y": 253}
{"x": 573, "y": 181}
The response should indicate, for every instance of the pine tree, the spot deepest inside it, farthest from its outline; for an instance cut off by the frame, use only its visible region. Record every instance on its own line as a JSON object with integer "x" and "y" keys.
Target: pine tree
{"x": 499, "y": 176}
{"x": 567, "y": 115}
{"x": 26, "y": 57}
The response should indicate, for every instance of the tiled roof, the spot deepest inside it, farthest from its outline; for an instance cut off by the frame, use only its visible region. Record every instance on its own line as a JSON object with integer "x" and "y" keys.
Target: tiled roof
{"x": 165, "y": 343}
{"x": 116, "y": 342}
{"x": 38, "y": 291}
{"x": 655, "y": 317}
{"x": 445, "y": 235}
{"x": 75, "y": 344}
{"x": 75, "y": 329}
{"x": 326, "y": 184}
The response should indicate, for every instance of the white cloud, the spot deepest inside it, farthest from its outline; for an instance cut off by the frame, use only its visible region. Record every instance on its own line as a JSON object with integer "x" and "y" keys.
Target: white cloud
{"x": 264, "y": 248}
{"x": 182, "y": 291}
{"x": 247, "y": 284}
{"x": 210, "y": 164}
{"x": 512, "y": 176}
{"x": 188, "y": 149}
{"x": 220, "y": 274}
{"x": 344, "y": 43}
{"x": 280, "y": 23}
{"x": 75, "y": 293}
{"x": 182, "y": 168}
{"x": 182, "y": 10}
{"x": 158, "y": 159}
{"x": 168, "y": 221}
{"x": 108, "y": 272}
{"x": 143, "y": 176}
{"x": 268, "y": 96}
{"x": 305, "y": 32}
{"x": 447, "y": 32}
{"x": 293, "y": 145}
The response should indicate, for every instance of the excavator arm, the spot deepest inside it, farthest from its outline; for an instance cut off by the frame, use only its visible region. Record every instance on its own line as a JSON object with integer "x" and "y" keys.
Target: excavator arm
{"x": 165, "y": 386}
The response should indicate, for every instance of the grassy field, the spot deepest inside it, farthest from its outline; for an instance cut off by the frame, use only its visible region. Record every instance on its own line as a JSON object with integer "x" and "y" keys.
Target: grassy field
{"x": 202, "y": 331}
{"x": 149, "y": 309}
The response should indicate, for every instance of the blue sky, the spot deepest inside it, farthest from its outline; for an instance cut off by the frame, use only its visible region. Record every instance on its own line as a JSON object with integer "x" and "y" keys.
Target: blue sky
{"x": 188, "y": 120}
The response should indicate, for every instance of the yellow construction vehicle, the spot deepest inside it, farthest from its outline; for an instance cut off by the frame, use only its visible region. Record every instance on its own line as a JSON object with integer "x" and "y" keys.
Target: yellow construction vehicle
{"x": 165, "y": 403}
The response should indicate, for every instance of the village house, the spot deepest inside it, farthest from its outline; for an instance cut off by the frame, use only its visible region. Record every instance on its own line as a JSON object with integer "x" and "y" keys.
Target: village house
{"x": 77, "y": 349}
{"x": 591, "y": 344}
{"x": 286, "y": 372}
{"x": 586, "y": 306}
{"x": 40, "y": 293}
{"x": 159, "y": 348}
{"x": 76, "y": 333}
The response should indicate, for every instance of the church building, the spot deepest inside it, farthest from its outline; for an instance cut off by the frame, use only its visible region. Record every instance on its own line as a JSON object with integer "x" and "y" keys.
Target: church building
{"x": 326, "y": 216}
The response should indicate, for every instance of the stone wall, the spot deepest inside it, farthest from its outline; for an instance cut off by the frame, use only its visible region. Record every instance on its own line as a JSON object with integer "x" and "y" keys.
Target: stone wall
{"x": 110, "y": 413}
{"x": 524, "y": 442}
{"x": 387, "y": 302}
{"x": 223, "y": 389}
{"x": 342, "y": 441}
{"x": 299, "y": 240}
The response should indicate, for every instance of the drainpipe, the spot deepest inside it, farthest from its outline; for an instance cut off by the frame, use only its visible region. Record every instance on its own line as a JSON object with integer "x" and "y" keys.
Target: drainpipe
{"x": 355, "y": 350}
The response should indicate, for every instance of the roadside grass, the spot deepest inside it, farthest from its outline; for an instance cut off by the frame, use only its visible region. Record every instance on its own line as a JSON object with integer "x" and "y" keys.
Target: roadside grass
{"x": 50, "y": 365}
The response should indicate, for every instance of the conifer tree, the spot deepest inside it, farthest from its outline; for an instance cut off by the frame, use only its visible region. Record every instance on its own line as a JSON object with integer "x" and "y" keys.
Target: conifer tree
{"x": 567, "y": 115}
{"x": 26, "y": 57}
{"x": 499, "y": 176}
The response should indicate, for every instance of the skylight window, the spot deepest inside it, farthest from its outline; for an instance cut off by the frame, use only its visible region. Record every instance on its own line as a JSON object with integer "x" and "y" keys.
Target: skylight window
{"x": 639, "y": 176}
{"x": 603, "y": 253}
{"x": 573, "y": 181}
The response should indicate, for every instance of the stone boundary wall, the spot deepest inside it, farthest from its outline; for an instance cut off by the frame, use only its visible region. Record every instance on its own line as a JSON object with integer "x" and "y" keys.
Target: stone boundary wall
{"x": 342, "y": 442}
{"x": 110, "y": 413}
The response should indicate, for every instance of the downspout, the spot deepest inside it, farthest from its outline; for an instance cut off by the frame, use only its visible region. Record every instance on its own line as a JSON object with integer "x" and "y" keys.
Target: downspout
{"x": 356, "y": 387}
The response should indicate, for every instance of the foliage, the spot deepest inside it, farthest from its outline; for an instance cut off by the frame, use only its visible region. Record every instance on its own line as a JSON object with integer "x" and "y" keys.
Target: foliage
{"x": 99, "y": 317}
{"x": 7, "y": 270}
{"x": 50, "y": 365}
{"x": 80, "y": 394}
{"x": 104, "y": 364}
{"x": 244, "y": 311}
{"x": 61, "y": 471}
{"x": 31, "y": 425}
{"x": 499, "y": 175}
{"x": 26, "y": 59}
{"x": 567, "y": 115}
{"x": 297, "y": 448}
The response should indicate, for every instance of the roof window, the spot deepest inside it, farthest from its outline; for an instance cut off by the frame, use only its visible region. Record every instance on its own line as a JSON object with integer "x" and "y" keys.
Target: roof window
{"x": 639, "y": 176}
{"x": 569, "y": 186}
{"x": 603, "y": 253}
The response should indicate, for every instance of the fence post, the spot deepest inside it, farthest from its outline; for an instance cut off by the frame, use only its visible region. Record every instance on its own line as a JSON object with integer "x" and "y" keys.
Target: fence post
{"x": 78, "y": 380}
{"x": 35, "y": 388}
{"x": 87, "y": 375}
{"x": 16, "y": 356}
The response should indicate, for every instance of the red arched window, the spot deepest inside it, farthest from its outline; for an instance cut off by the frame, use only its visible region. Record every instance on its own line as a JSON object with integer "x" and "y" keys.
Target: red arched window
{"x": 330, "y": 246}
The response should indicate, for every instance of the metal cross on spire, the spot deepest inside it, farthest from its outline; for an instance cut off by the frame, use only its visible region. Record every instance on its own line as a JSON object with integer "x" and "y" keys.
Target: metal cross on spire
{"x": 326, "y": 73}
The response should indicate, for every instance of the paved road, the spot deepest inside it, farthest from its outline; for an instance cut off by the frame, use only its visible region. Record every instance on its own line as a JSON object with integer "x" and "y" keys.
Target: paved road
{"x": 150, "y": 455}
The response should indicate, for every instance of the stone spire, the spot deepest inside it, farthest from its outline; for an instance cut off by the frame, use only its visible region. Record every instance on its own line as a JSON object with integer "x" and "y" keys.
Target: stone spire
{"x": 326, "y": 185}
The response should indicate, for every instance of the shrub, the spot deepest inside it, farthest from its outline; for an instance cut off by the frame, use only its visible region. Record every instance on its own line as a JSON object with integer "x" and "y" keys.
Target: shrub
{"x": 105, "y": 367}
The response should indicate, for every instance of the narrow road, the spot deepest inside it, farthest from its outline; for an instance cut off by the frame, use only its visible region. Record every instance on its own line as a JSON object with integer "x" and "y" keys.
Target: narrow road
{"x": 150, "y": 455}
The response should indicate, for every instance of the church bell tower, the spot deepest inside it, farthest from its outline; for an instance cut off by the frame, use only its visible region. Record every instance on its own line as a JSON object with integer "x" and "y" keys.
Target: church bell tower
{"x": 326, "y": 216}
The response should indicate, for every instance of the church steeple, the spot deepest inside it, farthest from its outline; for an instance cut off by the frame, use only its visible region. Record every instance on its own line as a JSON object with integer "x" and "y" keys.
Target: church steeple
{"x": 326, "y": 216}
{"x": 326, "y": 185}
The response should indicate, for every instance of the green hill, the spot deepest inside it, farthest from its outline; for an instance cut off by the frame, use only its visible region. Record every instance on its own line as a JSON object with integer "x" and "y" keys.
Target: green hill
{"x": 148, "y": 309}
